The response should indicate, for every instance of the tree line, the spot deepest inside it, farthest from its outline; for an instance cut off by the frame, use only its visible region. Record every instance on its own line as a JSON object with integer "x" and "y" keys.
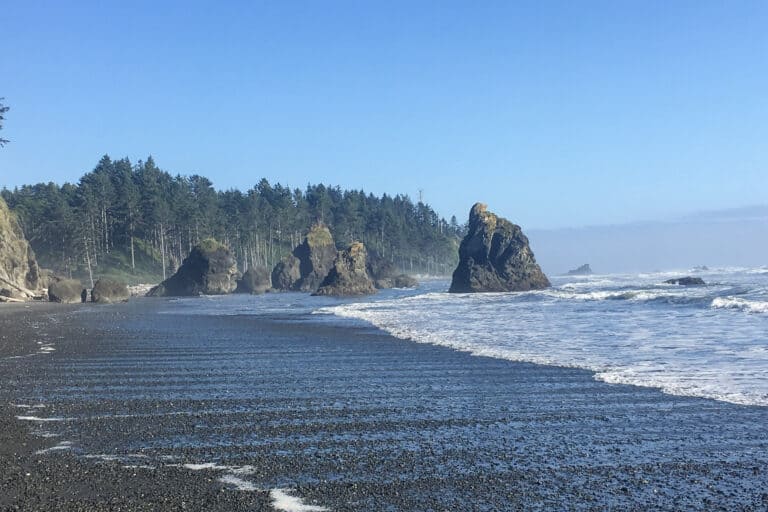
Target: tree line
{"x": 125, "y": 214}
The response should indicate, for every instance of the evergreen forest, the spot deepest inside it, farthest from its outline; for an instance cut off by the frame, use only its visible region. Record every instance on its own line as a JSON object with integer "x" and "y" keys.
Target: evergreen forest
{"x": 137, "y": 222}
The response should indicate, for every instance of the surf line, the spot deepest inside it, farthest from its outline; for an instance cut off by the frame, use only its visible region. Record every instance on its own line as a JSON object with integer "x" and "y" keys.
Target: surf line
{"x": 281, "y": 498}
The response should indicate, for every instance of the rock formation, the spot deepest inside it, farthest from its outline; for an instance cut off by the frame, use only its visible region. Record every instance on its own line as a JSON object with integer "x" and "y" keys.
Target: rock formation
{"x": 495, "y": 257}
{"x": 584, "y": 270}
{"x": 210, "y": 269}
{"x": 107, "y": 291}
{"x": 348, "y": 275}
{"x": 255, "y": 280}
{"x": 686, "y": 281}
{"x": 20, "y": 277}
{"x": 385, "y": 275}
{"x": 305, "y": 268}
{"x": 68, "y": 291}
{"x": 286, "y": 273}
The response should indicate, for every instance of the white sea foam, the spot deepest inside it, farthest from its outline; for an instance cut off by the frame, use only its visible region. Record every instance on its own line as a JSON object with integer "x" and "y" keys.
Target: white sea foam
{"x": 627, "y": 329}
{"x": 750, "y": 306}
{"x": 205, "y": 465}
{"x": 239, "y": 483}
{"x": 282, "y": 500}
{"x": 64, "y": 445}
{"x": 37, "y": 418}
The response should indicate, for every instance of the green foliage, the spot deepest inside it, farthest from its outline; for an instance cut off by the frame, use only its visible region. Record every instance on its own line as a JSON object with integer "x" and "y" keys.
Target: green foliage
{"x": 319, "y": 235}
{"x": 209, "y": 245}
{"x": 121, "y": 206}
{"x": 3, "y": 110}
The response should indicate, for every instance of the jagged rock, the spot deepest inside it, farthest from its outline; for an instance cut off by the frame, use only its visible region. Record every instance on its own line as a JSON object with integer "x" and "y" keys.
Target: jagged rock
{"x": 107, "y": 291}
{"x": 286, "y": 273}
{"x": 495, "y": 257}
{"x": 210, "y": 269}
{"x": 68, "y": 291}
{"x": 348, "y": 275}
{"x": 306, "y": 267}
{"x": 583, "y": 270}
{"x": 255, "y": 280}
{"x": 19, "y": 272}
{"x": 686, "y": 281}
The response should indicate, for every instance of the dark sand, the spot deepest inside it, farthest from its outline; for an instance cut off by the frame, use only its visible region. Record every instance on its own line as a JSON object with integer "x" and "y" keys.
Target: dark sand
{"x": 344, "y": 418}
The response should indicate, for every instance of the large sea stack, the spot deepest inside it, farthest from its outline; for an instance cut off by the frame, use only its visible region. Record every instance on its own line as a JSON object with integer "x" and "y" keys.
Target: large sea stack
{"x": 305, "y": 268}
{"x": 348, "y": 275}
{"x": 19, "y": 274}
{"x": 210, "y": 269}
{"x": 495, "y": 257}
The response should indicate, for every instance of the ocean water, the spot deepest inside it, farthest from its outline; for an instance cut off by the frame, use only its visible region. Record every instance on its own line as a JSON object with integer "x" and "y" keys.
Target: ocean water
{"x": 707, "y": 341}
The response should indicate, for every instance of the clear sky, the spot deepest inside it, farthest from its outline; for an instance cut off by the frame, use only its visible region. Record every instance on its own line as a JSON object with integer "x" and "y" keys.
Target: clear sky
{"x": 554, "y": 113}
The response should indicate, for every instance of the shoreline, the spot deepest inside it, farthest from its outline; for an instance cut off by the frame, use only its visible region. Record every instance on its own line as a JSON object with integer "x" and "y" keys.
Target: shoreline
{"x": 443, "y": 428}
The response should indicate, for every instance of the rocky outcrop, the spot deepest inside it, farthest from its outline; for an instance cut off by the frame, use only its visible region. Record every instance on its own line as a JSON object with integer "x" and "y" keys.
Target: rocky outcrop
{"x": 495, "y": 257}
{"x": 306, "y": 267}
{"x": 255, "y": 280}
{"x": 107, "y": 291}
{"x": 210, "y": 269}
{"x": 68, "y": 291}
{"x": 286, "y": 273}
{"x": 686, "y": 281}
{"x": 384, "y": 273}
{"x": 584, "y": 270}
{"x": 20, "y": 277}
{"x": 348, "y": 275}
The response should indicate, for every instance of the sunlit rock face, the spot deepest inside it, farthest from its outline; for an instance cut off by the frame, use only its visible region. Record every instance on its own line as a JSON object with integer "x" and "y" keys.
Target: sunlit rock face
{"x": 495, "y": 257}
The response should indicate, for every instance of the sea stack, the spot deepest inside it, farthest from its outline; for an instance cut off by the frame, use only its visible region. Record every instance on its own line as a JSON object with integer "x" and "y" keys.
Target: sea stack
{"x": 584, "y": 270}
{"x": 305, "y": 268}
{"x": 20, "y": 277}
{"x": 210, "y": 269}
{"x": 495, "y": 257}
{"x": 348, "y": 276}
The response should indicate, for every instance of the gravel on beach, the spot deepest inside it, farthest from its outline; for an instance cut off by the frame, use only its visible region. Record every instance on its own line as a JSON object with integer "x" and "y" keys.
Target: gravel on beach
{"x": 122, "y": 408}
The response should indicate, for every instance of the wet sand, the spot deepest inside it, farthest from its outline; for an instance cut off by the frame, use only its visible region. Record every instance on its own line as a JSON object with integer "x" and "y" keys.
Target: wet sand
{"x": 132, "y": 410}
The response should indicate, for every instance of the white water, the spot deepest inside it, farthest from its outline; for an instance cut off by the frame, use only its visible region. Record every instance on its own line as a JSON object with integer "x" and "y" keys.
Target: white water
{"x": 708, "y": 341}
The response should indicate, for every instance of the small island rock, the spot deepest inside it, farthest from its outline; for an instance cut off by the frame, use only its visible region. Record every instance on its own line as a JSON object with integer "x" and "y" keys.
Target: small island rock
{"x": 68, "y": 291}
{"x": 107, "y": 291}
{"x": 385, "y": 275}
{"x": 348, "y": 275}
{"x": 210, "y": 269}
{"x": 686, "y": 281}
{"x": 495, "y": 257}
{"x": 584, "y": 270}
{"x": 256, "y": 280}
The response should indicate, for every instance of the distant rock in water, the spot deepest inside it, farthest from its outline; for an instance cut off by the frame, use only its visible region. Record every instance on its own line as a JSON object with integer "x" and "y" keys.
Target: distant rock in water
{"x": 256, "y": 280}
{"x": 495, "y": 257}
{"x": 700, "y": 268}
{"x": 384, "y": 273}
{"x": 19, "y": 273}
{"x": 107, "y": 291}
{"x": 583, "y": 270}
{"x": 305, "y": 268}
{"x": 210, "y": 269}
{"x": 686, "y": 281}
{"x": 68, "y": 291}
{"x": 348, "y": 275}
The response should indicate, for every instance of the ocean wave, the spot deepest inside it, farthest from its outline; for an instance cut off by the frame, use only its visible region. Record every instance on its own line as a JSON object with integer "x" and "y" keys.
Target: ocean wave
{"x": 749, "y": 306}
{"x": 677, "y": 346}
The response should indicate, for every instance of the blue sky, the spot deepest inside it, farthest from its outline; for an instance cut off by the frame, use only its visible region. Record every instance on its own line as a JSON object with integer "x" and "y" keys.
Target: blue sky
{"x": 554, "y": 113}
